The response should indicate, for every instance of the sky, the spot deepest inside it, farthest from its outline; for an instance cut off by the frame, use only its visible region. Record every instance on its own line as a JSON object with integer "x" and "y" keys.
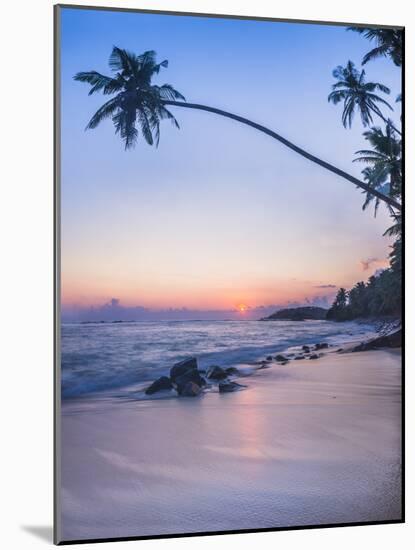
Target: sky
{"x": 219, "y": 218}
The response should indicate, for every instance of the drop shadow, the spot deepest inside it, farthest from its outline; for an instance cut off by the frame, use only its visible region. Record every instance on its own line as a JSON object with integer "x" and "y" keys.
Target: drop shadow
{"x": 43, "y": 532}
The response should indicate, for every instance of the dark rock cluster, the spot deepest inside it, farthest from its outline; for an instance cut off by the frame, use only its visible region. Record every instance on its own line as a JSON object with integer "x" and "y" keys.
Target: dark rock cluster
{"x": 393, "y": 340}
{"x": 308, "y": 351}
{"x": 188, "y": 380}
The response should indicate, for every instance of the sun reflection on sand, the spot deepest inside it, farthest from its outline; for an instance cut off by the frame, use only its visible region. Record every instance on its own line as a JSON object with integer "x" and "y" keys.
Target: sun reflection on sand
{"x": 250, "y": 435}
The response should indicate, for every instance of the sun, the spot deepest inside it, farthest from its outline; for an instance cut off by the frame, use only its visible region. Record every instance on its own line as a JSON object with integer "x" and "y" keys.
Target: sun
{"x": 242, "y": 308}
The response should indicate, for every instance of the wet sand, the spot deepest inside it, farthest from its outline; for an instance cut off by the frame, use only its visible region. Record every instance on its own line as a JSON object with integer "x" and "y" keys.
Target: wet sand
{"x": 312, "y": 442}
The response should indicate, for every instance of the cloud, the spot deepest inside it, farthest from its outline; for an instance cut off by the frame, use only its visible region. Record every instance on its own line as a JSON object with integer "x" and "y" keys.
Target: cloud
{"x": 325, "y": 286}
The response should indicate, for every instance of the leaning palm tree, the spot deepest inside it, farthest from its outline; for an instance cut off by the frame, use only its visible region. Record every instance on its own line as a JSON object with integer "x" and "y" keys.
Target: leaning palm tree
{"x": 356, "y": 94}
{"x": 385, "y": 165}
{"x": 140, "y": 104}
{"x": 388, "y": 43}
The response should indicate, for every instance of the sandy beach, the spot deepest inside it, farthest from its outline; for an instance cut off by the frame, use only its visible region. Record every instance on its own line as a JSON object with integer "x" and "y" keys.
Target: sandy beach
{"x": 311, "y": 442}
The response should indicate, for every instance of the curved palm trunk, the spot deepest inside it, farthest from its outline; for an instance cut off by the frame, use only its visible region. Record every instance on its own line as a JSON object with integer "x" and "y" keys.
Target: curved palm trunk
{"x": 290, "y": 145}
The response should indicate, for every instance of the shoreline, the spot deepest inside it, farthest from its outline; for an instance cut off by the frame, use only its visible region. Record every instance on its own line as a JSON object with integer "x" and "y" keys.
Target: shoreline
{"x": 306, "y": 443}
{"x": 246, "y": 361}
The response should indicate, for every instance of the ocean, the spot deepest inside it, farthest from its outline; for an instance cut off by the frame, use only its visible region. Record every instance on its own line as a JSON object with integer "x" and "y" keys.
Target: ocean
{"x": 100, "y": 357}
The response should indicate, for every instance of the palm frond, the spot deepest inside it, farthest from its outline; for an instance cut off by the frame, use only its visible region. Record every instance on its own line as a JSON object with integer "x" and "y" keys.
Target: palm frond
{"x": 145, "y": 127}
{"x": 394, "y": 230}
{"x": 154, "y": 122}
{"x": 147, "y": 58}
{"x": 124, "y": 122}
{"x": 380, "y": 51}
{"x": 123, "y": 61}
{"x": 99, "y": 81}
{"x": 367, "y": 157}
{"x": 376, "y": 99}
{"x": 167, "y": 91}
{"x": 372, "y": 86}
{"x": 336, "y": 96}
{"x": 158, "y": 66}
{"x": 166, "y": 114}
{"x": 103, "y": 112}
{"x": 348, "y": 114}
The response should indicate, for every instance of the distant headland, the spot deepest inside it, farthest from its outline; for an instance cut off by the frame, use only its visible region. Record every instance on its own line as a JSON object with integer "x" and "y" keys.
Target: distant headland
{"x": 298, "y": 314}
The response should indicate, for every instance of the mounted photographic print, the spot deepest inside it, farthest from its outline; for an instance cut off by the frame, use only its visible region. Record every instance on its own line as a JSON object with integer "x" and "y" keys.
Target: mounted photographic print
{"x": 228, "y": 274}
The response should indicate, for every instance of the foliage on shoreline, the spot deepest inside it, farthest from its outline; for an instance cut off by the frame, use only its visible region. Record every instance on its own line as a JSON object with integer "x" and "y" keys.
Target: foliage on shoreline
{"x": 381, "y": 295}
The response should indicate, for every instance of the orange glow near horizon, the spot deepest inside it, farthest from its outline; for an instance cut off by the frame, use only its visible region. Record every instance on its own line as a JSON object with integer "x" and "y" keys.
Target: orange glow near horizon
{"x": 199, "y": 289}
{"x": 211, "y": 281}
{"x": 215, "y": 297}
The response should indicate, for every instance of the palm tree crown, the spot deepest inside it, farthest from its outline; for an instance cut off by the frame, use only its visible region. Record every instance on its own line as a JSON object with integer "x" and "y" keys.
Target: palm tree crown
{"x": 138, "y": 103}
{"x": 357, "y": 94}
{"x": 384, "y": 159}
{"x": 388, "y": 43}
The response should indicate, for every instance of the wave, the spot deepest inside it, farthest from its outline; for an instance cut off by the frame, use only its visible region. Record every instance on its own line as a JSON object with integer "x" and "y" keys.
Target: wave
{"x": 103, "y": 357}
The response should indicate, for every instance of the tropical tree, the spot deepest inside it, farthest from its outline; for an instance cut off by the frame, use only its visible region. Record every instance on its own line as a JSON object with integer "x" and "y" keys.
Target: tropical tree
{"x": 338, "y": 310}
{"x": 138, "y": 103}
{"x": 388, "y": 43}
{"x": 385, "y": 167}
{"x": 358, "y": 306}
{"x": 356, "y": 94}
{"x": 396, "y": 257}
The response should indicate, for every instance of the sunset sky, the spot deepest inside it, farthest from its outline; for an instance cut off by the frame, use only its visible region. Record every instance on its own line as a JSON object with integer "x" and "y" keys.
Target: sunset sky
{"x": 219, "y": 216}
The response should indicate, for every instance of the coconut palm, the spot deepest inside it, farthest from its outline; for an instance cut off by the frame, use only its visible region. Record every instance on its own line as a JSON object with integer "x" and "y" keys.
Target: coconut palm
{"x": 139, "y": 103}
{"x": 356, "y": 94}
{"x": 385, "y": 164}
{"x": 388, "y": 43}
